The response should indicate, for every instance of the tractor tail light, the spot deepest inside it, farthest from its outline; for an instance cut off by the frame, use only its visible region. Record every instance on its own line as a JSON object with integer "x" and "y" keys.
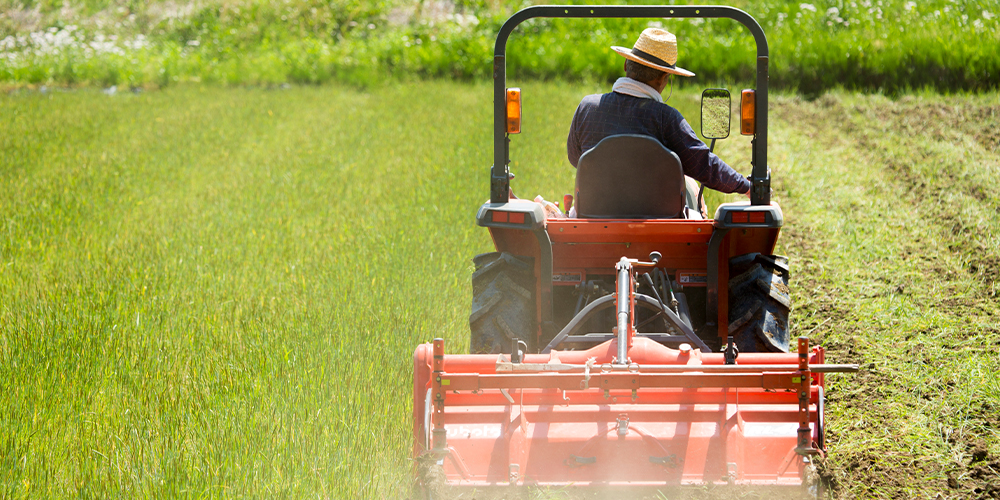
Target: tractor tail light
{"x": 749, "y": 218}
{"x": 748, "y": 104}
{"x": 511, "y": 217}
{"x": 514, "y": 111}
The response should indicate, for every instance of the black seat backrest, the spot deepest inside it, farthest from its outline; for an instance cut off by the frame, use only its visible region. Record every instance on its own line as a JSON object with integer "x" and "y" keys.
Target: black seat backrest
{"x": 629, "y": 177}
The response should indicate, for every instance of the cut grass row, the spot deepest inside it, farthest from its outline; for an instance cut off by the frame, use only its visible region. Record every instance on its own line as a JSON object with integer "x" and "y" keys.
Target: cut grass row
{"x": 217, "y": 292}
{"x": 893, "y": 219}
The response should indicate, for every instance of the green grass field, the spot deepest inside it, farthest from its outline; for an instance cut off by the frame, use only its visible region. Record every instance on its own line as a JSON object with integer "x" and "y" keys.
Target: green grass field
{"x": 217, "y": 292}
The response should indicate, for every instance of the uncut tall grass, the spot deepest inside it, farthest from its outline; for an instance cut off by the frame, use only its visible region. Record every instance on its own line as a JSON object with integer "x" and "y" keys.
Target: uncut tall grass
{"x": 219, "y": 292}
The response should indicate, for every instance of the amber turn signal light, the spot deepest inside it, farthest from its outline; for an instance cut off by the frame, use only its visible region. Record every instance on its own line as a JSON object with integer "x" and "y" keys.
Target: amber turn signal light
{"x": 748, "y": 104}
{"x": 514, "y": 111}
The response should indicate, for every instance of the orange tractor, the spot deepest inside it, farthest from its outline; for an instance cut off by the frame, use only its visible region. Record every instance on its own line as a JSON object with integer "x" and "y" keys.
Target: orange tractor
{"x": 636, "y": 345}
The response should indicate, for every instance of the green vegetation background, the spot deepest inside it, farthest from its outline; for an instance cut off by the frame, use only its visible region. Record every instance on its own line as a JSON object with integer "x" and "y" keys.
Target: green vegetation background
{"x": 887, "y": 45}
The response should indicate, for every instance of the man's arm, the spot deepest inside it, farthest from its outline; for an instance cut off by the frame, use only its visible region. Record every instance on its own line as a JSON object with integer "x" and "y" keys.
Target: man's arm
{"x": 699, "y": 163}
{"x": 573, "y": 147}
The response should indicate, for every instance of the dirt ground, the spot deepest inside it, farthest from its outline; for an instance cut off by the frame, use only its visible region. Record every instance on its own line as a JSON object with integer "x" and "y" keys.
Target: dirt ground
{"x": 899, "y": 267}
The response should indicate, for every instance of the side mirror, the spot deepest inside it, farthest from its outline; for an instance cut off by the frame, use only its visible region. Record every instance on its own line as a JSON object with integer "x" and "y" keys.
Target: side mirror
{"x": 716, "y": 113}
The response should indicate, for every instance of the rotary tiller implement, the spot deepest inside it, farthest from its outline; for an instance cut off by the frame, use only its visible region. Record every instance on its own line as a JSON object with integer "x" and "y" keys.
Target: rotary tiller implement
{"x": 616, "y": 350}
{"x": 629, "y": 412}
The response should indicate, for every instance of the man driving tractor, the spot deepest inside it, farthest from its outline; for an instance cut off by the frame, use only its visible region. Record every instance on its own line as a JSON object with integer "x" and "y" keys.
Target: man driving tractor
{"x": 635, "y": 106}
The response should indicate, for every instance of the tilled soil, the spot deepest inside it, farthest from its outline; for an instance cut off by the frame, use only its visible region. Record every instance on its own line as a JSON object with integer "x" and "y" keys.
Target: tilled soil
{"x": 892, "y": 210}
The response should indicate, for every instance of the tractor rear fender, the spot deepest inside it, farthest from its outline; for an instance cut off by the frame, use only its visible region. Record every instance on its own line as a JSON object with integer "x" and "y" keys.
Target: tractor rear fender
{"x": 525, "y": 220}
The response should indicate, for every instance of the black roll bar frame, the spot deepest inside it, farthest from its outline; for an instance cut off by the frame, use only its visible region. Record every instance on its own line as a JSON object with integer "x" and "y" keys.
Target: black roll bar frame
{"x": 760, "y": 178}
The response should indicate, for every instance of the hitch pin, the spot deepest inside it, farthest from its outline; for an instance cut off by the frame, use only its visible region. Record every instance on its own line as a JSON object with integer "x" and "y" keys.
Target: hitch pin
{"x": 506, "y": 395}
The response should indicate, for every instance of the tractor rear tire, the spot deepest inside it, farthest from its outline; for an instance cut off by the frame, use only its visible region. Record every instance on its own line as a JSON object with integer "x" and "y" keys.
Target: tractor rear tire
{"x": 759, "y": 303}
{"x": 503, "y": 303}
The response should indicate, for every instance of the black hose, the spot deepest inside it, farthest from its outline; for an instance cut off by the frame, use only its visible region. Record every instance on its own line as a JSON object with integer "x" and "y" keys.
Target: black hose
{"x": 578, "y": 320}
{"x": 608, "y": 301}
{"x": 664, "y": 282}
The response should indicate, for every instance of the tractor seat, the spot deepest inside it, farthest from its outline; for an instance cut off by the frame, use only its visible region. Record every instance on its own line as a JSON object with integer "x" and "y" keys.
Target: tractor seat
{"x": 630, "y": 177}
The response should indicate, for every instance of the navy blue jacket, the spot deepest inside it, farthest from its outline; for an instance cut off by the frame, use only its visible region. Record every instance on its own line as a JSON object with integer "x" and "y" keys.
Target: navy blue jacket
{"x": 602, "y": 115}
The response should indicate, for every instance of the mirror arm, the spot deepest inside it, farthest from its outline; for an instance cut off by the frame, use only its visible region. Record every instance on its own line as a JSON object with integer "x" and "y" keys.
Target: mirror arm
{"x": 701, "y": 195}
{"x": 701, "y": 187}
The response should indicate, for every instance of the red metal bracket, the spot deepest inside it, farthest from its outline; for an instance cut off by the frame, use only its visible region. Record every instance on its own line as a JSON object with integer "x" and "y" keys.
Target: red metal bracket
{"x": 439, "y": 443}
{"x": 804, "y": 445}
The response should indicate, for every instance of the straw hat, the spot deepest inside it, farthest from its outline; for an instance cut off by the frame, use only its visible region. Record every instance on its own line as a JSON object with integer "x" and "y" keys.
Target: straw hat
{"x": 656, "y": 48}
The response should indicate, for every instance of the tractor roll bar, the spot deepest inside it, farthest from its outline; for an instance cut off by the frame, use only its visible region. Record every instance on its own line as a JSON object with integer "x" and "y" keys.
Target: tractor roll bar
{"x": 500, "y": 182}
